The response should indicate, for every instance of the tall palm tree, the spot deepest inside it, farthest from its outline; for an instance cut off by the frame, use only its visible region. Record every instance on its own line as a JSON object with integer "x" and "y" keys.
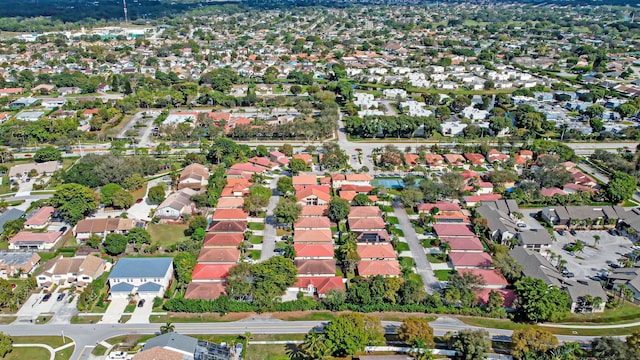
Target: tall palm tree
{"x": 167, "y": 328}
{"x": 315, "y": 346}
{"x": 596, "y": 240}
{"x": 445, "y": 247}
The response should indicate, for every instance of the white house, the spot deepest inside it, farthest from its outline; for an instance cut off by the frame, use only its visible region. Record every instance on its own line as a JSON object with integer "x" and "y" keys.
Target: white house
{"x": 146, "y": 277}
{"x": 176, "y": 204}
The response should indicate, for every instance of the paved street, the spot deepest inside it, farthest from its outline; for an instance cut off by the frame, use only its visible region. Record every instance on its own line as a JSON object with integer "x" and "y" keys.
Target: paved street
{"x": 423, "y": 266}
{"x": 269, "y": 234}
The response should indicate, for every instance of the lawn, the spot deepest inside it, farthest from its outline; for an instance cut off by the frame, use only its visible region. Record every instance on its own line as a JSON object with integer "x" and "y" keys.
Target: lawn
{"x": 627, "y": 312}
{"x": 442, "y": 275}
{"x": 7, "y": 319}
{"x": 268, "y": 352}
{"x": 406, "y": 262}
{"x": 399, "y": 232}
{"x": 283, "y": 232}
{"x": 392, "y": 220}
{"x": 402, "y": 246}
{"x": 53, "y": 341}
{"x": 254, "y": 254}
{"x": 166, "y": 235}
{"x": 193, "y": 318}
{"x": 28, "y": 353}
{"x": 99, "y": 350}
{"x": 256, "y": 239}
{"x": 92, "y": 319}
{"x": 130, "y": 308}
{"x": 305, "y": 316}
{"x": 436, "y": 258}
{"x": 256, "y": 226}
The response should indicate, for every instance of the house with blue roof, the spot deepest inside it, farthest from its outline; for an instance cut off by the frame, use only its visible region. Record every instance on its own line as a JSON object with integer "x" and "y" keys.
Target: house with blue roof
{"x": 145, "y": 277}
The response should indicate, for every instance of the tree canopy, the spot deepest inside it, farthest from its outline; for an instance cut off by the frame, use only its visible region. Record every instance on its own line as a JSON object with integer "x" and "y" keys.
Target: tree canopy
{"x": 74, "y": 202}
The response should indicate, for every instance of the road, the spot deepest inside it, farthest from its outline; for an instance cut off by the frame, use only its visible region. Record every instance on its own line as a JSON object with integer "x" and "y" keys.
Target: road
{"x": 269, "y": 235}
{"x": 423, "y": 266}
{"x": 87, "y": 336}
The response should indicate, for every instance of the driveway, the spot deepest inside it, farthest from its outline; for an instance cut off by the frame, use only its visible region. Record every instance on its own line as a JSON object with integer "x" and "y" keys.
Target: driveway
{"x": 591, "y": 261}
{"x": 114, "y": 311}
{"x": 141, "y": 314}
{"x": 64, "y": 310}
{"x": 423, "y": 266}
{"x": 142, "y": 209}
{"x": 529, "y": 219}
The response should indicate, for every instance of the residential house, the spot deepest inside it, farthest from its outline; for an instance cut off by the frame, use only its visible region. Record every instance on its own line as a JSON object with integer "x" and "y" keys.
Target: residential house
{"x": 304, "y": 180}
{"x": 535, "y": 239}
{"x": 279, "y": 158}
{"x": 227, "y": 227}
{"x": 147, "y": 277}
{"x": 194, "y": 176}
{"x": 45, "y": 168}
{"x": 434, "y": 162}
{"x": 376, "y": 251}
{"x": 470, "y": 260}
{"x": 26, "y": 240}
{"x": 314, "y": 211}
{"x": 496, "y": 156}
{"x": 216, "y": 240}
{"x": 102, "y": 227}
{"x": 230, "y": 215}
{"x": 312, "y": 223}
{"x": 177, "y": 204}
{"x": 475, "y": 159}
{"x": 307, "y": 158}
{"x": 455, "y": 159}
{"x": 315, "y": 267}
{"x": 40, "y": 219}
{"x": 338, "y": 180}
{"x": 359, "y": 225}
{"x": 473, "y": 200}
{"x": 386, "y": 268}
{"x": 493, "y": 279}
{"x": 317, "y": 285}
{"x": 313, "y": 251}
{"x": 219, "y": 255}
{"x": 76, "y": 271}
{"x": 17, "y": 264}
{"x": 323, "y": 236}
{"x": 313, "y": 196}
{"x": 175, "y": 346}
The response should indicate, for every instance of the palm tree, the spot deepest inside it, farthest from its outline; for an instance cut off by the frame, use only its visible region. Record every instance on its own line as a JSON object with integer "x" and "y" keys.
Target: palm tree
{"x": 445, "y": 247}
{"x": 596, "y": 240}
{"x": 167, "y": 328}
{"x": 420, "y": 352}
{"x": 315, "y": 346}
{"x": 561, "y": 263}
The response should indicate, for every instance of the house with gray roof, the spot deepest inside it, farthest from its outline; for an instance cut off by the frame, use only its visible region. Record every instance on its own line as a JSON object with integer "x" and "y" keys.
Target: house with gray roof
{"x": 501, "y": 226}
{"x": 629, "y": 277}
{"x": 538, "y": 267}
{"x": 582, "y": 216}
{"x": 535, "y": 239}
{"x": 146, "y": 277}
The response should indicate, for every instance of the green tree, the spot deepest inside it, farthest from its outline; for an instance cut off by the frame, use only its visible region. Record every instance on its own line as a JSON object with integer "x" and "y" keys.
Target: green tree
{"x": 184, "y": 263}
{"x": 621, "y": 186}
{"x": 633, "y": 342}
{"x": 532, "y": 342}
{"x": 47, "y": 153}
{"x": 122, "y": 199}
{"x": 138, "y": 236}
{"x": 285, "y": 185}
{"x": 133, "y": 182}
{"x": 74, "y": 202}
{"x": 626, "y": 110}
{"x": 452, "y": 184}
{"x": 94, "y": 241}
{"x": 5, "y": 344}
{"x": 540, "y": 302}
{"x": 416, "y": 330}
{"x": 156, "y": 194}
{"x": 349, "y": 333}
{"x": 13, "y": 227}
{"x": 297, "y": 166}
{"x": 315, "y": 346}
{"x": 411, "y": 197}
{"x": 258, "y": 199}
{"x": 115, "y": 244}
{"x": 196, "y": 222}
{"x": 271, "y": 278}
{"x": 610, "y": 348}
{"x": 167, "y": 328}
{"x": 472, "y": 345}
{"x": 338, "y": 209}
{"x": 361, "y": 200}
{"x": 286, "y": 149}
{"x": 287, "y": 211}
{"x": 107, "y": 192}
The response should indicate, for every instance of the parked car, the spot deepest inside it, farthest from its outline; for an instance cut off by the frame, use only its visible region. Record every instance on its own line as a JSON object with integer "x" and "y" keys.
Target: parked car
{"x": 521, "y": 225}
{"x": 60, "y": 297}
{"x": 573, "y": 232}
{"x": 141, "y": 303}
{"x": 569, "y": 275}
{"x": 139, "y": 200}
{"x": 46, "y": 297}
{"x": 613, "y": 232}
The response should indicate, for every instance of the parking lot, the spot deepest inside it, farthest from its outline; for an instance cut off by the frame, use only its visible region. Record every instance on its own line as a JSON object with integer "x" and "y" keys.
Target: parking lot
{"x": 36, "y": 306}
{"x": 591, "y": 261}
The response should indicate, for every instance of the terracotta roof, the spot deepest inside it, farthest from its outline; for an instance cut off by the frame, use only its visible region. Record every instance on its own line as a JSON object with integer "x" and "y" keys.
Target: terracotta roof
{"x": 374, "y": 236}
{"x": 316, "y": 267}
{"x": 313, "y": 236}
{"x": 442, "y": 206}
{"x": 411, "y": 159}
{"x": 470, "y": 259}
{"x": 223, "y": 240}
{"x": 359, "y": 177}
{"x": 229, "y": 214}
{"x": 453, "y": 230}
{"x": 348, "y": 195}
{"x": 433, "y": 159}
{"x": 158, "y": 353}
{"x": 307, "y": 192}
{"x": 463, "y": 243}
{"x": 365, "y": 212}
{"x": 314, "y": 210}
{"x": 306, "y": 157}
{"x": 322, "y": 284}
{"x": 485, "y": 197}
{"x": 321, "y": 222}
{"x": 230, "y": 203}
{"x": 552, "y": 191}
{"x": 507, "y": 294}
{"x": 219, "y": 255}
{"x": 313, "y": 250}
{"x": 211, "y": 271}
{"x": 304, "y": 179}
{"x": 195, "y": 171}
{"x": 455, "y": 159}
{"x": 228, "y": 227}
{"x": 41, "y": 217}
{"x": 381, "y": 251}
{"x": 323, "y": 188}
{"x": 379, "y": 267}
{"x": 244, "y": 183}
{"x": 490, "y": 277}
{"x": 362, "y": 189}
{"x": 28, "y": 236}
{"x": 246, "y": 167}
{"x": 359, "y": 224}
{"x": 262, "y": 162}
{"x": 204, "y": 290}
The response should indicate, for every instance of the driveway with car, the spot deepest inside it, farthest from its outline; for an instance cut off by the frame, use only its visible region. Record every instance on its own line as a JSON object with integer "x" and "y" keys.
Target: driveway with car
{"x": 141, "y": 313}
{"x": 114, "y": 311}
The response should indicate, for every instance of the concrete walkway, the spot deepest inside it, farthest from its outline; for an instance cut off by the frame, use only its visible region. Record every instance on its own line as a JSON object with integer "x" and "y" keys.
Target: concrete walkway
{"x": 423, "y": 266}
{"x": 52, "y": 351}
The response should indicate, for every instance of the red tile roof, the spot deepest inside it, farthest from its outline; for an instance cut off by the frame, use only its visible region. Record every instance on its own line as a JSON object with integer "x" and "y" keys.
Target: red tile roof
{"x": 322, "y": 284}
{"x": 491, "y": 277}
{"x": 219, "y": 255}
{"x": 205, "y": 290}
{"x": 552, "y": 191}
{"x": 228, "y": 227}
{"x": 307, "y": 192}
{"x": 314, "y": 210}
{"x": 360, "y": 224}
{"x": 313, "y": 236}
{"x": 315, "y": 267}
{"x": 41, "y": 217}
{"x": 304, "y": 179}
{"x": 379, "y": 267}
{"x": 230, "y": 214}
{"x": 28, "y": 236}
{"x": 313, "y": 250}
{"x": 246, "y": 167}
{"x": 211, "y": 271}
{"x": 321, "y": 222}
{"x": 459, "y": 230}
{"x": 485, "y": 197}
{"x": 442, "y": 206}
{"x": 223, "y": 240}
{"x": 230, "y": 203}
{"x": 508, "y": 295}
{"x": 470, "y": 259}
{"x": 381, "y": 251}
{"x": 306, "y": 157}
{"x": 475, "y": 159}
{"x": 365, "y": 212}
{"x": 463, "y": 244}
{"x": 455, "y": 159}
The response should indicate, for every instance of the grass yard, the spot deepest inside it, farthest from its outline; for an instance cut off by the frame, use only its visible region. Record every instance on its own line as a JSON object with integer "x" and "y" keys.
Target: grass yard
{"x": 392, "y": 220}
{"x": 99, "y": 350}
{"x": 402, "y": 246}
{"x": 436, "y": 258}
{"x": 283, "y": 232}
{"x": 256, "y": 226}
{"x": 269, "y": 352}
{"x": 130, "y": 308}
{"x": 398, "y": 232}
{"x": 254, "y": 254}
{"x": 627, "y": 312}
{"x": 124, "y": 318}
{"x": 7, "y": 319}
{"x": 510, "y": 325}
{"x": 43, "y": 319}
{"x": 5, "y": 187}
{"x": 305, "y": 316}
{"x": 85, "y": 319}
{"x": 193, "y": 318}
{"x": 442, "y": 275}
{"x": 165, "y": 235}
{"x": 53, "y": 341}
{"x": 28, "y": 353}
{"x": 406, "y": 262}
{"x": 256, "y": 239}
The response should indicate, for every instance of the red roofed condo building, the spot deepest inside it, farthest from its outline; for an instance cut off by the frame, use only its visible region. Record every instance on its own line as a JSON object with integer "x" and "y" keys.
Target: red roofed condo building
{"x": 379, "y": 267}
{"x": 26, "y": 240}
{"x": 317, "y": 285}
{"x": 467, "y": 260}
{"x": 40, "y": 219}
{"x": 493, "y": 279}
